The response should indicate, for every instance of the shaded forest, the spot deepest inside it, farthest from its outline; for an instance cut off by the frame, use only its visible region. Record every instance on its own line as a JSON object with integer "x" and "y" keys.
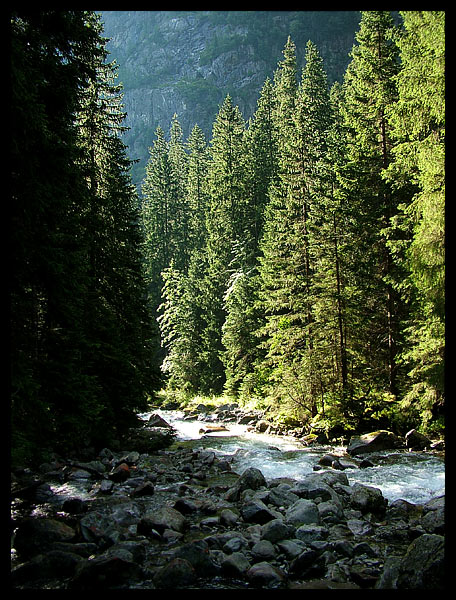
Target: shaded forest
{"x": 294, "y": 261}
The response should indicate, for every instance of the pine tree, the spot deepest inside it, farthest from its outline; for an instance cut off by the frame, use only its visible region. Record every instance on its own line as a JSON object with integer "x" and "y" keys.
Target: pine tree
{"x": 82, "y": 373}
{"x": 418, "y": 122}
{"x": 243, "y": 313}
{"x": 157, "y": 190}
{"x": 178, "y": 160}
{"x": 369, "y": 89}
{"x": 49, "y": 51}
{"x": 225, "y": 229}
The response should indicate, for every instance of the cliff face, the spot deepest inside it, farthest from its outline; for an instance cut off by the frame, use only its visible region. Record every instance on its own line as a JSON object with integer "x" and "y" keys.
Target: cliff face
{"x": 185, "y": 62}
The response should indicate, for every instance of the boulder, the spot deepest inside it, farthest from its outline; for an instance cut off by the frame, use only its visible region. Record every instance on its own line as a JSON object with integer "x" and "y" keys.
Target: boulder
{"x": 155, "y": 420}
{"x": 121, "y": 473}
{"x": 368, "y": 499}
{"x": 197, "y": 554}
{"x": 422, "y": 567}
{"x": 276, "y": 530}
{"x": 373, "y": 442}
{"x": 235, "y": 564}
{"x": 414, "y": 440}
{"x": 104, "y": 572}
{"x": 263, "y": 551}
{"x": 161, "y": 519}
{"x": 177, "y": 573}
{"x": 266, "y": 575}
{"x": 255, "y": 511}
{"x": 302, "y": 512}
{"x": 35, "y": 535}
{"x": 251, "y": 479}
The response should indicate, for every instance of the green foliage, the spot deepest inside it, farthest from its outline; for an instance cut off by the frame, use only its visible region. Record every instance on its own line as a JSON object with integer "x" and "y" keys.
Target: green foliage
{"x": 81, "y": 337}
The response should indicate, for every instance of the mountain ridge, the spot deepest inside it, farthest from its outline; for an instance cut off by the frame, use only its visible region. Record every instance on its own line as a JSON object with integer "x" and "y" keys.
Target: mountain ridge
{"x": 186, "y": 62}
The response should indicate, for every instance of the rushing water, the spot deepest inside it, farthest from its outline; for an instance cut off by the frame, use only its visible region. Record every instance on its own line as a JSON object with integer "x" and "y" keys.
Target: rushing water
{"x": 413, "y": 476}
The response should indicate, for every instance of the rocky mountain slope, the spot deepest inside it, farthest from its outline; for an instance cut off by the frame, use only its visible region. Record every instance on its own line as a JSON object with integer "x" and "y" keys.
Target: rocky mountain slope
{"x": 185, "y": 62}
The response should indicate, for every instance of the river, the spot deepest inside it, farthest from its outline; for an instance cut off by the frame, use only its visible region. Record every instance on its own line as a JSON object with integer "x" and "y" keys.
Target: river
{"x": 413, "y": 476}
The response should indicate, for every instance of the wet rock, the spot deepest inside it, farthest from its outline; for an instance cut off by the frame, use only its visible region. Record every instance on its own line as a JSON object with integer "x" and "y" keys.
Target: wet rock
{"x": 251, "y": 479}
{"x": 178, "y": 573}
{"x": 291, "y": 548}
{"x": 266, "y": 575}
{"x": 373, "y": 442}
{"x": 161, "y": 519}
{"x": 311, "y": 533}
{"x": 105, "y": 572}
{"x": 263, "y": 551}
{"x": 51, "y": 565}
{"x": 235, "y": 564}
{"x": 302, "y": 512}
{"x": 415, "y": 440}
{"x": 276, "y": 530}
{"x": 144, "y": 489}
{"x": 307, "y": 564}
{"x": 255, "y": 511}
{"x": 228, "y": 518}
{"x": 422, "y": 567}
{"x": 37, "y": 534}
{"x": 121, "y": 473}
{"x": 155, "y": 420}
{"x": 368, "y": 499}
{"x": 197, "y": 554}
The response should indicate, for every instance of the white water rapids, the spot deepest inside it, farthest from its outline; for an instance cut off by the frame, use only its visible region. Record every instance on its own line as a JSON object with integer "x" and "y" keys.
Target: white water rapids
{"x": 413, "y": 476}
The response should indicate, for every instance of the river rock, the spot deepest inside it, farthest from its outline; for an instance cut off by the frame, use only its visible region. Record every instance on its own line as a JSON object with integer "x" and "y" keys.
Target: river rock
{"x": 263, "y": 551}
{"x": 177, "y": 573}
{"x": 373, "y": 442}
{"x": 155, "y": 420}
{"x": 104, "y": 572}
{"x": 368, "y": 499}
{"x": 311, "y": 533}
{"x": 415, "y": 440}
{"x": 35, "y": 535}
{"x": 302, "y": 512}
{"x": 161, "y": 519}
{"x": 235, "y": 564}
{"x": 277, "y": 530}
{"x": 422, "y": 567}
{"x": 251, "y": 479}
{"x": 197, "y": 554}
{"x": 255, "y": 511}
{"x": 266, "y": 575}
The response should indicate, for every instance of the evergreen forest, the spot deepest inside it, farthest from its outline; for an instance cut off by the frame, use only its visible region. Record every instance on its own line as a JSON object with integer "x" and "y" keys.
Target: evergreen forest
{"x": 294, "y": 262}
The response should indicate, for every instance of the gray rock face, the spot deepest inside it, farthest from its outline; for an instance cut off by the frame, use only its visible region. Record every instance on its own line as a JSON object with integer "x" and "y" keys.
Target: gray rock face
{"x": 186, "y": 62}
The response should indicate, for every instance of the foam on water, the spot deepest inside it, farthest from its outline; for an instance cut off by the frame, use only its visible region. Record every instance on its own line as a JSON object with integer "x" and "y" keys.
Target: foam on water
{"x": 413, "y": 476}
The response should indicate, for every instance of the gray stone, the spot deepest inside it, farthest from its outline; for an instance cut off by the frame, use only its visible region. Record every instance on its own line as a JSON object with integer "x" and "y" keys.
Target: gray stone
{"x": 263, "y": 550}
{"x": 266, "y": 575}
{"x": 302, "y": 512}
{"x": 255, "y": 511}
{"x": 368, "y": 499}
{"x": 177, "y": 573}
{"x": 235, "y": 565}
{"x": 311, "y": 533}
{"x": 277, "y": 530}
{"x": 373, "y": 442}
{"x": 416, "y": 440}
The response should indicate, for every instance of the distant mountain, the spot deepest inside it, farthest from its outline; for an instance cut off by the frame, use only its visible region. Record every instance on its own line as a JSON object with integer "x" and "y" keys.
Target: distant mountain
{"x": 185, "y": 62}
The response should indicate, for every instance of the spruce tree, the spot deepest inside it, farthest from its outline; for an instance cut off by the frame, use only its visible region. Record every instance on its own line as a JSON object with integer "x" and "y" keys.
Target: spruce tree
{"x": 225, "y": 229}
{"x": 369, "y": 90}
{"x": 418, "y": 122}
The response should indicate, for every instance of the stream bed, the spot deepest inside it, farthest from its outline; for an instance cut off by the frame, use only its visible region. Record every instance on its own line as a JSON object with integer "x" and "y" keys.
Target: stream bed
{"x": 413, "y": 476}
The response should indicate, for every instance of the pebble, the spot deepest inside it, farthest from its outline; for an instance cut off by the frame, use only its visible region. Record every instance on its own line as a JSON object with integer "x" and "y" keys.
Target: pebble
{"x": 176, "y": 524}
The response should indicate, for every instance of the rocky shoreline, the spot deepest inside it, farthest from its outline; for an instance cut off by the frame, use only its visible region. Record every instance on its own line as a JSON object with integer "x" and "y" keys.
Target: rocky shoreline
{"x": 170, "y": 518}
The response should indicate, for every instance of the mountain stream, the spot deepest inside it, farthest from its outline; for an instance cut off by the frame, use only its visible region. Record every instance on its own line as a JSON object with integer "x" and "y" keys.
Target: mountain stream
{"x": 413, "y": 476}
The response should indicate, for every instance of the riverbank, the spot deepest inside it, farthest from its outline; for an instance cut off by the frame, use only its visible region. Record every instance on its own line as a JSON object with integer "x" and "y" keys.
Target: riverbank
{"x": 182, "y": 517}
